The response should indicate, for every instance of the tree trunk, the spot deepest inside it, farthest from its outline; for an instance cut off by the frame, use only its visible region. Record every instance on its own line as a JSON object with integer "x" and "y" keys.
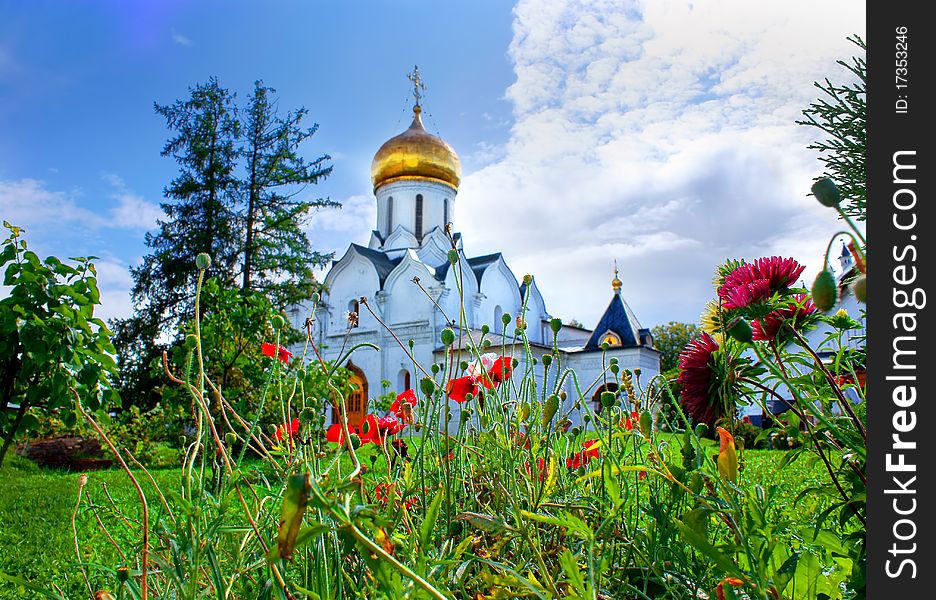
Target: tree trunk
{"x": 11, "y": 433}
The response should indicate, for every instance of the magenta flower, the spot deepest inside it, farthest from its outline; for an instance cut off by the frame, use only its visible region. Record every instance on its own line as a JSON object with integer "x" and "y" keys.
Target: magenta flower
{"x": 696, "y": 380}
{"x": 766, "y": 329}
{"x": 755, "y": 282}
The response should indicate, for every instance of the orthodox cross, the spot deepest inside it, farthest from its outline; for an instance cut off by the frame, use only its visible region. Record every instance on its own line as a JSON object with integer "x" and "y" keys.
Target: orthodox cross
{"x": 418, "y": 85}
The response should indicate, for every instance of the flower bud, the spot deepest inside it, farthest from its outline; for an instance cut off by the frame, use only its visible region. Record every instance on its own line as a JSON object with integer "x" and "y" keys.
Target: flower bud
{"x": 575, "y": 431}
{"x": 555, "y": 324}
{"x": 605, "y": 346}
{"x": 607, "y": 399}
{"x": 123, "y": 574}
{"x": 646, "y": 423}
{"x": 427, "y": 385}
{"x": 453, "y": 256}
{"x": 355, "y": 440}
{"x": 550, "y": 407}
{"x": 741, "y": 330}
{"x": 465, "y": 415}
{"x": 824, "y": 292}
{"x": 614, "y": 368}
{"x": 505, "y": 318}
{"x": 485, "y": 344}
{"x": 306, "y": 415}
{"x": 278, "y": 322}
{"x": 463, "y": 365}
{"x": 547, "y": 360}
{"x": 316, "y": 297}
{"x": 826, "y": 192}
{"x": 525, "y": 410}
{"x": 485, "y": 329}
{"x": 448, "y": 336}
{"x": 700, "y": 430}
{"x": 435, "y": 368}
{"x": 203, "y": 261}
{"x": 527, "y": 279}
{"x": 860, "y": 289}
{"x": 230, "y": 438}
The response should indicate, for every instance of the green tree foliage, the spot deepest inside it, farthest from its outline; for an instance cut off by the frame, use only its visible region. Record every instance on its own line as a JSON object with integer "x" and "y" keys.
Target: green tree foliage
{"x": 50, "y": 340}
{"x": 670, "y": 339}
{"x": 841, "y": 113}
{"x": 277, "y": 256}
{"x": 239, "y": 198}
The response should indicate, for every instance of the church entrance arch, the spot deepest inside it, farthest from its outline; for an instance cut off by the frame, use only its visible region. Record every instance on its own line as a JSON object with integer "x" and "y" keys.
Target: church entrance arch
{"x": 357, "y": 398}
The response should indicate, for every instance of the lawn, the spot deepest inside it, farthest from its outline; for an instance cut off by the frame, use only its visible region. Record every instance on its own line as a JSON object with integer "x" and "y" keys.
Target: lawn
{"x": 36, "y": 507}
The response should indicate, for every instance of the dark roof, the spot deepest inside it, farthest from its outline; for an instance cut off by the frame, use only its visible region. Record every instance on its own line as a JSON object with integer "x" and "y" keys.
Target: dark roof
{"x": 479, "y": 264}
{"x": 619, "y": 319}
{"x": 380, "y": 261}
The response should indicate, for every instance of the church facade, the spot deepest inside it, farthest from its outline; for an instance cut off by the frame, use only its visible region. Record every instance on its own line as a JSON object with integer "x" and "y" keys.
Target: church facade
{"x": 401, "y": 289}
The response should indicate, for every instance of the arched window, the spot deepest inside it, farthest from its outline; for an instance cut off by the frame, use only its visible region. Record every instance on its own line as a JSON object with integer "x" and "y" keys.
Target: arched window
{"x": 389, "y": 215}
{"x": 419, "y": 216}
{"x": 498, "y": 314}
{"x": 445, "y": 212}
{"x": 354, "y": 314}
{"x": 403, "y": 380}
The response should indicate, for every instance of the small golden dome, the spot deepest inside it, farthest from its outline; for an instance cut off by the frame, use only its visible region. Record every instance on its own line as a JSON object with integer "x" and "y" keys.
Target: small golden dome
{"x": 616, "y": 283}
{"x": 416, "y": 154}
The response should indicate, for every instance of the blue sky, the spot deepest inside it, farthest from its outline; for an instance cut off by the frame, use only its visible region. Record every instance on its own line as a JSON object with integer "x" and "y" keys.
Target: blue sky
{"x": 659, "y": 134}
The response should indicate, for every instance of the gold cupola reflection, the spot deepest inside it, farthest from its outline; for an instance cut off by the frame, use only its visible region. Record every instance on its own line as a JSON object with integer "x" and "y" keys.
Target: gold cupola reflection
{"x": 416, "y": 154}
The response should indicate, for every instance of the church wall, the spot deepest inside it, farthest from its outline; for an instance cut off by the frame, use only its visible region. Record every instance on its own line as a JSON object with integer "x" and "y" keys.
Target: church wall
{"x": 499, "y": 290}
{"x": 404, "y": 205}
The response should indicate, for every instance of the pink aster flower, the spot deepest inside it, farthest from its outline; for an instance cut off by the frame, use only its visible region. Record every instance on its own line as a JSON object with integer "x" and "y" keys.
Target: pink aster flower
{"x": 754, "y": 282}
{"x": 695, "y": 379}
{"x": 766, "y": 329}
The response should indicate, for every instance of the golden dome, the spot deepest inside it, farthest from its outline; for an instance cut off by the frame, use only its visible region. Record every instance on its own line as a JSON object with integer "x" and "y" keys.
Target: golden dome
{"x": 415, "y": 154}
{"x": 616, "y": 283}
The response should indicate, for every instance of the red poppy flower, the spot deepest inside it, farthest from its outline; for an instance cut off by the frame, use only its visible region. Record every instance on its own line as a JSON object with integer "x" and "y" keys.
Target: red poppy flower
{"x": 541, "y": 469}
{"x": 523, "y": 440}
{"x": 501, "y": 369}
{"x": 398, "y": 408}
{"x": 389, "y": 425}
{"x": 628, "y": 422}
{"x": 287, "y": 430}
{"x": 754, "y": 282}
{"x": 458, "y": 389}
{"x": 336, "y": 435}
{"x": 584, "y": 457}
{"x": 695, "y": 379}
{"x": 795, "y": 312}
{"x": 272, "y": 351}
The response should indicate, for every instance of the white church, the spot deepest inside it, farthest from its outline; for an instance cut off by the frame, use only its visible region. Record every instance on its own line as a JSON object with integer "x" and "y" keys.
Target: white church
{"x": 415, "y": 176}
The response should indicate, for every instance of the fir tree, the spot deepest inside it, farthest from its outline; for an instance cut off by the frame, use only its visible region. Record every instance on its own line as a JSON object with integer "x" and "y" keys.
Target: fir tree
{"x": 277, "y": 257}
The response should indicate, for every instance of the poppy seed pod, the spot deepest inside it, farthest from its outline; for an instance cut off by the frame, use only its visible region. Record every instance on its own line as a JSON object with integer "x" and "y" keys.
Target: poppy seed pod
{"x": 860, "y": 289}
{"x": 506, "y": 318}
{"x": 555, "y": 324}
{"x": 824, "y": 292}
{"x": 549, "y": 410}
{"x": 485, "y": 329}
{"x": 607, "y": 399}
{"x": 306, "y": 415}
{"x": 230, "y": 438}
{"x": 646, "y": 423}
{"x": 203, "y": 261}
{"x": 826, "y": 192}
{"x": 448, "y": 336}
{"x": 547, "y": 360}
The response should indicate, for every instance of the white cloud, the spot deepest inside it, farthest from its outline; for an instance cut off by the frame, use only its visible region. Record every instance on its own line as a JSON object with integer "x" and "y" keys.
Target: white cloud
{"x": 181, "y": 40}
{"x": 132, "y": 211}
{"x": 660, "y": 134}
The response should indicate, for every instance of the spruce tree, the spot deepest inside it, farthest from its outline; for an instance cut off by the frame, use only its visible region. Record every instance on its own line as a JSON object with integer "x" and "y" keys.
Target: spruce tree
{"x": 200, "y": 216}
{"x": 277, "y": 257}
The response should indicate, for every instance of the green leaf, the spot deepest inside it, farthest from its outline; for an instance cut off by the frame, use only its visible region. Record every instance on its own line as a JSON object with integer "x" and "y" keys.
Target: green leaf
{"x": 701, "y": 543}
{"x": 432, "y": 513}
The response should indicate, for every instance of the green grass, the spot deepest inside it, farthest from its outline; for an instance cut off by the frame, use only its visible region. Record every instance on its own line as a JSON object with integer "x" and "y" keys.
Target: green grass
{"x": 36, "y": 506}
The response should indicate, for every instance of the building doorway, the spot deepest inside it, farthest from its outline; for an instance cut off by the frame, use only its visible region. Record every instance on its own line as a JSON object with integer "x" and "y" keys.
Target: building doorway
{"x": 357, "y": 398}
